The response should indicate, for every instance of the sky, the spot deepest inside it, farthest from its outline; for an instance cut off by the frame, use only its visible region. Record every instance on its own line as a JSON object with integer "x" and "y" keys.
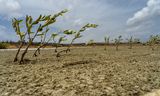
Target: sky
{"x": 137, "y": 18}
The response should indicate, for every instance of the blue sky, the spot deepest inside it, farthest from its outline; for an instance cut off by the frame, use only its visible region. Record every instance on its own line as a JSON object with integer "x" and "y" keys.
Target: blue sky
{"x": 137, "y": 18}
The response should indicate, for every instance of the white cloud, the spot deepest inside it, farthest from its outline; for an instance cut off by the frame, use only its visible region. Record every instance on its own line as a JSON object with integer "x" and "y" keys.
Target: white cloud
{"x": 10, "y": 8}
{"x": 151, "y": 10}
{"x": 145, "y": 22}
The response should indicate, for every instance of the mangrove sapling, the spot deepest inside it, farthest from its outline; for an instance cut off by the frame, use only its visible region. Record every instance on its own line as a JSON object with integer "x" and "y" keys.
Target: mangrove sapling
{"x": 78, "y": 34}
{"x": 106, "y": 39}
{"x": 16, "y": 26}
{"x": 61, "y": 39}
{"x": 44, "y": 41}
{"x": 118, "y": 41}
{"x": 91, "y": 43}
{"x": 130, "y": 42}
{"x": 136, "y": 41}
{"x": 41, "y": 22}
{"x": 43, "y": 38}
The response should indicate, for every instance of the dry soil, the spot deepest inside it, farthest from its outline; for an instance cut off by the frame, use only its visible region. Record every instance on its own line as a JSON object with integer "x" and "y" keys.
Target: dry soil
{"x": 88, "y": 71}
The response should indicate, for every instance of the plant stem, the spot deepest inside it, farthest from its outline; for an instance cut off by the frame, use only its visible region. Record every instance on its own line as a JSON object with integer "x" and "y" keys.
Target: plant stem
{"x": 16, "y": 57}
{"x": 42, "y": 45}
{"x": 117, "y": 47}
{"x": 38, "y": 50}
{"x": 68, "y": 49}
{"x": 24, "y": 53}
{"x": 130, "y": 47}
{"x": 105, "y": 48}
{"x": 58, "y": 54}
{"x": 56, "y": 48}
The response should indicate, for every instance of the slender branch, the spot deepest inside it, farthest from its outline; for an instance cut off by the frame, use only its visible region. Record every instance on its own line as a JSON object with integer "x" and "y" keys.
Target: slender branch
{"x": 42, "y": 45}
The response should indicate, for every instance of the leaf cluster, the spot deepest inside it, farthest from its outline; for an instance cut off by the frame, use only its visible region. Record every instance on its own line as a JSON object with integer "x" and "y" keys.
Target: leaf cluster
{"x": 118, "y": 40}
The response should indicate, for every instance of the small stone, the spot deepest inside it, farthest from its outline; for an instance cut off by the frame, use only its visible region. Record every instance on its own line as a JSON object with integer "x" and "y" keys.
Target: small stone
{"x": 57, "y": 92}
{"x": 19, "y": 91}
{"x": 82, "y": 85}
{"x": 6, "y": 94}
{"x": 70, "y": 93}
{"x": 48, "y": 92}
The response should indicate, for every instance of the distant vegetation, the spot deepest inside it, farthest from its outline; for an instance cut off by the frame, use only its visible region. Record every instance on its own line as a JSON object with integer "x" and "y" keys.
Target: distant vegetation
{"x": 118, "y": 42}
{"x": 3, "y": 45}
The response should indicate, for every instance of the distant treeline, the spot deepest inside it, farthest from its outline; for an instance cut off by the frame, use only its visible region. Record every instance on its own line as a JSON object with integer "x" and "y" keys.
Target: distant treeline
{"x": 54, "y": 44}
{"x": 25, "y": 43}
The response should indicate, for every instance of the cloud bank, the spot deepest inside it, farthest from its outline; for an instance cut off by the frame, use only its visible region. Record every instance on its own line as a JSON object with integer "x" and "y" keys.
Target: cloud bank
{"x": 145, "y": 22}
{"x": 10, "y": 8}
{"x": 150, "y": 11}
{"x": 114, "y": 17}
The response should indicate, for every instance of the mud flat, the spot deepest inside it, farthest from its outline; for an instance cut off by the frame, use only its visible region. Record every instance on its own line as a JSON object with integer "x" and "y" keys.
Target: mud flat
{"x": 89, "y": 71}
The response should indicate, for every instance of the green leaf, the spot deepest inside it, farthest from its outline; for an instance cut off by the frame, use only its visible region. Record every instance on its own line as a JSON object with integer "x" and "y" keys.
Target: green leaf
{"x": 20, "y": 21}
{"x": 31, "y": 32}
{"x": 22, "y": 33}
{"x": 82, "y": 29}
{"x": 54, "y": 35}
{"x": 59, "y": 14}
{"x": 65, "y": 10}
{"x": 40, "y": 28}
{"x": 64, "y": 39}
{"x": 47, "y": 17}
{"x": 61, "y": 39}
{"x": 90, "y": 26}
{"x": 78, "y": 35}
{"x": 69, "y": 32}
{"x": 30, "y": 19}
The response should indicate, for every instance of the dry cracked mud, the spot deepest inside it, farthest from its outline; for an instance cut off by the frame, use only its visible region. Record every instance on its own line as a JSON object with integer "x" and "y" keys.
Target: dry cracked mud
{"x": 83, "y": 72}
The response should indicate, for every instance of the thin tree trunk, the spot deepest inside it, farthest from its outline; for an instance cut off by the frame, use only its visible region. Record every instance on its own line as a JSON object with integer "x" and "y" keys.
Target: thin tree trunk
{"x": 68, "y": 49}
{"x": 117, "y": 47}
{"x": 58, "y": 54}
{"x": 37, "y": 50}
{"x": 24, "y": 53}
{"x": 130, "y": 46}
{"x": 105, "y": 48}
{"x": 56, "y": 49}
{"x": 152, "y": 47}
{"x": 19, "y": 49}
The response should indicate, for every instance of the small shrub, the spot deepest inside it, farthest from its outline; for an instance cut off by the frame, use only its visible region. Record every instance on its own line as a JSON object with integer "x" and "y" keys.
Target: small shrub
{"x": 130, "y": 42}
{"x": 77, "y": 35}
{"x": 106, "y": 39}
{"x": 137, "y": 41}
{"x": 3, "y": 45}
{"x": 153, "y": 40}
{"x": 118, "y": 41}
{"x": 91, "y": 43}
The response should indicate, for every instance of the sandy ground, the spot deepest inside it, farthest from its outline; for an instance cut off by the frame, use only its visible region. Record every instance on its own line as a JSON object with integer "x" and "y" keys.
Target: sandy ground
{"x": 87, "y": 71}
